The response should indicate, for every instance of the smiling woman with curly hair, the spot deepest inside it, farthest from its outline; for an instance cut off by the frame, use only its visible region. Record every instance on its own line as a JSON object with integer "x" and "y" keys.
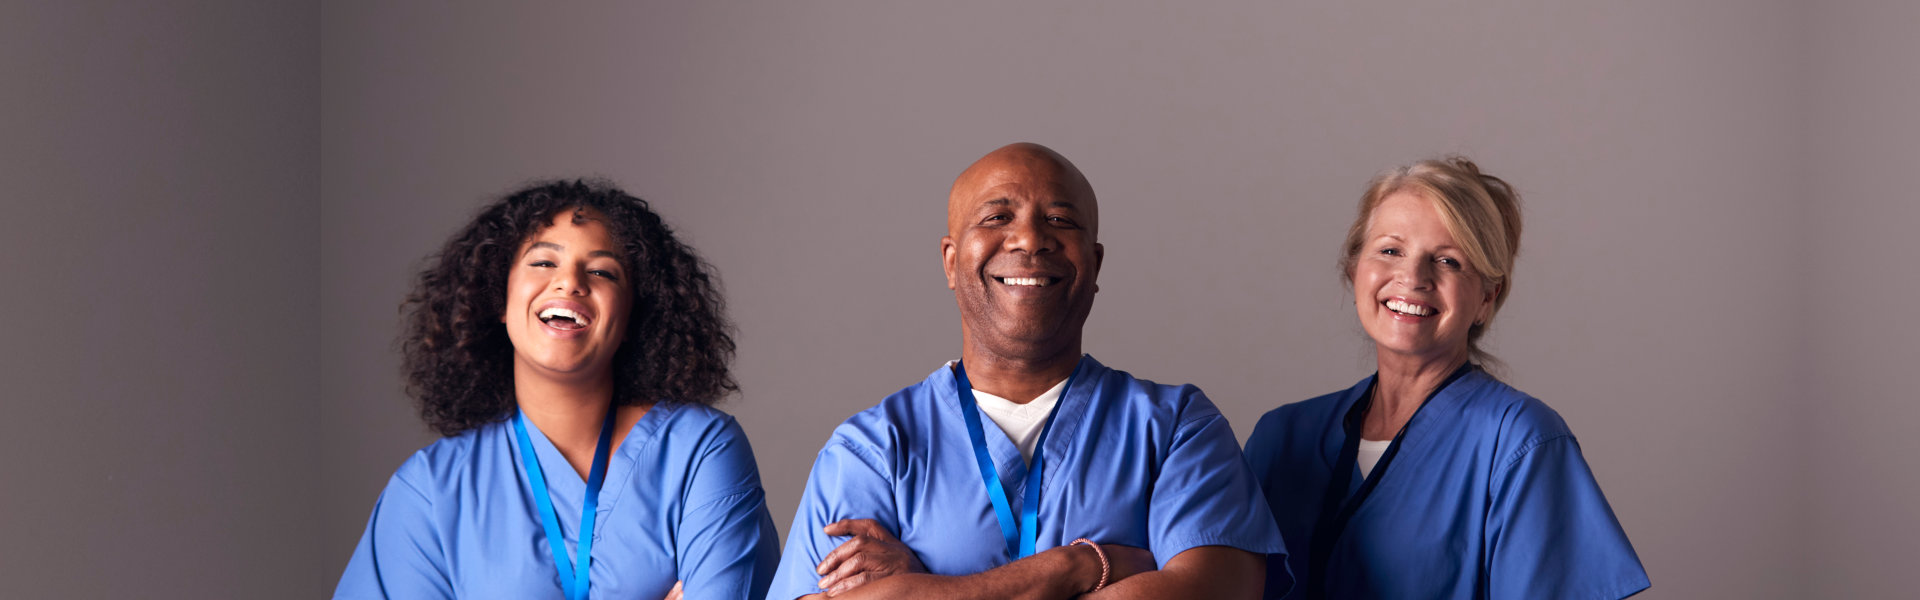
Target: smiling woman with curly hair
{"x": 568, "y": 347}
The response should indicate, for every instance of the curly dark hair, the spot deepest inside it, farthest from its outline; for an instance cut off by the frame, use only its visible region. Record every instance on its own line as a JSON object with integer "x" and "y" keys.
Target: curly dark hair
{"x": 458, "y": 361}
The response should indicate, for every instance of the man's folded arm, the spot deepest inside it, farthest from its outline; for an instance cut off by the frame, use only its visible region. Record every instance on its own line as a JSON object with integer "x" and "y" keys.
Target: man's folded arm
{"x": 1203, "y": 572}
{"x": 1057, "y": 573}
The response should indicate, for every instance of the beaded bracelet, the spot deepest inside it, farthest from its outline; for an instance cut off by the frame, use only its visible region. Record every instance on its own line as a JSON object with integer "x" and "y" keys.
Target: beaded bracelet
{"x": 1105, "y": 570}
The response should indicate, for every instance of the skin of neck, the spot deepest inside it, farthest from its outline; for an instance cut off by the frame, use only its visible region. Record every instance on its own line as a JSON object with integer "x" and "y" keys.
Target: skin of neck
{"x": 1019, "y": 376}
{"x": 570, "y": 413}
{"x": 1404, "y": 383}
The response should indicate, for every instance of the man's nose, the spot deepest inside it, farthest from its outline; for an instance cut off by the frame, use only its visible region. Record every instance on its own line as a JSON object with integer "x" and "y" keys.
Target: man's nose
{"x": 1032, "y": 236}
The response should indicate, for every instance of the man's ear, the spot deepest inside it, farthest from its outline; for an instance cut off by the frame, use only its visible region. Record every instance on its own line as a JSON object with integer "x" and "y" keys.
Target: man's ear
{"x": 947, "y": 252}
{"x": 1099, "y": 260}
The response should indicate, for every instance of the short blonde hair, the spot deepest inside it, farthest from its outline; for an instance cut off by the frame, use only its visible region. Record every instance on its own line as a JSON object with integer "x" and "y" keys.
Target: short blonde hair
{"x": 1481, "y": 211}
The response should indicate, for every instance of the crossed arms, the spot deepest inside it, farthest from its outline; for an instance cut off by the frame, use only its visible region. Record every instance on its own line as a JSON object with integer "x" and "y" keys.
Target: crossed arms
{"x": 874, "y": 564}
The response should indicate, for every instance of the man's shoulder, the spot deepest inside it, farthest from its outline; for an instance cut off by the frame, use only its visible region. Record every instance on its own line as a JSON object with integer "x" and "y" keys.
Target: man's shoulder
{"x": 883, "y": 428}
{"x": 1183, "y": 401}
{"x": 908, "y": 405}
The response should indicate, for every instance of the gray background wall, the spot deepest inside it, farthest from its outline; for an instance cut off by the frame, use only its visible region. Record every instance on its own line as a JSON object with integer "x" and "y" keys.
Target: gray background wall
{"x": 236, "y": 194}
{"x": 1859, "y": 397}
{"x": 162, "y": 280}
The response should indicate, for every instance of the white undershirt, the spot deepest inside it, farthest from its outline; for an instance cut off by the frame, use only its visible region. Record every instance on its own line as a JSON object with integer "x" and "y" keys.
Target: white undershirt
{"x": 1370, "y": 453}
{"x": 1021, "y": 422}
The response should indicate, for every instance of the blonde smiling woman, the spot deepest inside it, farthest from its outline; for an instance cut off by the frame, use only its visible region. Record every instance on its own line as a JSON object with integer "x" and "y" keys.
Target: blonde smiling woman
{"x": 1432, "y": 478}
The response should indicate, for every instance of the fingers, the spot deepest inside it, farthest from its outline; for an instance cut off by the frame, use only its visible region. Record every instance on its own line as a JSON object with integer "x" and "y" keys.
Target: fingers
{"x": 842, "y": 552}
{"x": 674, "y": 594}
{"x": 849, "y": 583}
{"x": 855, "y": 566}
{"x": 870, "y": 553}
{"x": 865, "y": 533}
{"x": 856, "y": 527}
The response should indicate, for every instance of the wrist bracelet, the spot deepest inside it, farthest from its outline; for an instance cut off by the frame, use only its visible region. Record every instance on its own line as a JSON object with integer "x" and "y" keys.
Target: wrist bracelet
{"x": 1105, "y": 570}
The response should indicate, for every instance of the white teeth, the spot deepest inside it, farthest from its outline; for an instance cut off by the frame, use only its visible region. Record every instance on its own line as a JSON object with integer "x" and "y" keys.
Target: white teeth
{"x": 1033, "y": 281}
{"x": 1409, "y": 308}
{"x": 556, "y": 311}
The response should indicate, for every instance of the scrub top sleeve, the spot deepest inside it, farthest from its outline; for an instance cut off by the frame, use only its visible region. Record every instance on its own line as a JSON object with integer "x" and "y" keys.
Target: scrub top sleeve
{"x": 1268, "y": 433}
{"x": 1204, "y": 494}
{"x": 1262, "y": 448}
{"x": 727, "y": 545}
{"x": 1550, "y": 533}
{"x": 848, "y": 482}
{"x": 399, "y": 556}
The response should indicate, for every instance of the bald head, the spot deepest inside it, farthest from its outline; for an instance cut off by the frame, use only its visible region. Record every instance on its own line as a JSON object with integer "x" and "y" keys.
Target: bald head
{"x": 1020, "y": 168}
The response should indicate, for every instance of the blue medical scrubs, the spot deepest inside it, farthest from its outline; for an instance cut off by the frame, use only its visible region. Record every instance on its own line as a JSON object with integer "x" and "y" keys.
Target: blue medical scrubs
{"x": 1128, "y": 461}
{"x": 1486, "y": 496}
{"x": 681, "y": 501}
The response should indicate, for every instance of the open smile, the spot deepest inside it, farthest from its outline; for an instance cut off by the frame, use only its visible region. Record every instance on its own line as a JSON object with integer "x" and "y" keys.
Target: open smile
{"x": 1042, "y": 281}
{"x": 1410, "y": 309}
{"x": 565, "y": 317}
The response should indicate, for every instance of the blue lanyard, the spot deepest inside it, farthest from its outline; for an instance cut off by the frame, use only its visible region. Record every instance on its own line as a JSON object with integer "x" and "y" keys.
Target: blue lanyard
{"x": 1020, "y": 536}
{"x": 572, "y": 581}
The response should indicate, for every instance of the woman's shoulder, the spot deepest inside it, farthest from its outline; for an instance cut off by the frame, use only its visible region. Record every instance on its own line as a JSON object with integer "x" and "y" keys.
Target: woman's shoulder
{"x": 696, "y": 430}
{"x": 1313, "y": 411}
{"x": 687, "y": 415}
{"x": 1516, "y": 415}
{"x": 443, "y": 465}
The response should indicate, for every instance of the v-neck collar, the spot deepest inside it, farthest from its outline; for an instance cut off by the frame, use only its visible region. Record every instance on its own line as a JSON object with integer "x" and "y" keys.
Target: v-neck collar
{"x": 1012, "y": 467}
{"x": 1442, "y": 403}
{"x": 620, "y": 461}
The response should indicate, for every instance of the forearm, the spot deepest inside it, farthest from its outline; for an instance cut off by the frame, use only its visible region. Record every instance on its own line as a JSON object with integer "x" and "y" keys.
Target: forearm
{"x": 1055, "y": 574}
{"x": 1204, "y": 572}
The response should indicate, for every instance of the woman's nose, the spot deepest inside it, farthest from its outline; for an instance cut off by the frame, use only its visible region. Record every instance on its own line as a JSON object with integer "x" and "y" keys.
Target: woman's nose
{"x": 567, "y": 281}
{"x": 1415, "y": 274}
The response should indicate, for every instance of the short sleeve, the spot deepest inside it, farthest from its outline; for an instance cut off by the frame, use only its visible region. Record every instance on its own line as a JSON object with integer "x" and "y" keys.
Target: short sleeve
{"x": 847, "y": 482}
{"x": 1550, "y": 532}
{"x": 1263, "y": 448}
{"x": 400, "y": 555}
{"x": 1205, "y": 495}
{"x": 727, "y": 546}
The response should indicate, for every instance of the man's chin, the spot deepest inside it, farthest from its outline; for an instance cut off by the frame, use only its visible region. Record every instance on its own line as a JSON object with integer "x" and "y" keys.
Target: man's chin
{"x": 1029, "y": 343}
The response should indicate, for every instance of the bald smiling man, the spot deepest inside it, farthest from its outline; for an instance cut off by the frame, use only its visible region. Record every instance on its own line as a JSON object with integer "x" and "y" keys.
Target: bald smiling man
{"x": 1027, "y": 469}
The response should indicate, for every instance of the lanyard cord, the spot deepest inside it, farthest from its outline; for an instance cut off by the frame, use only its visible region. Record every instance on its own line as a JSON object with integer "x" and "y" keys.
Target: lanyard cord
{"x": 1336, "y": 509}
{"x": 1020, "y": 536}
{"x": 573, "y": 581}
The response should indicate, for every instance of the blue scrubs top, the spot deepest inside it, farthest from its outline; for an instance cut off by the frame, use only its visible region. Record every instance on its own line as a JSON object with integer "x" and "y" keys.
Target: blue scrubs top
{"x": 682, "y": 501}
{"x": 1487, "y": 496}
{"x": 1128, "y": 461}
